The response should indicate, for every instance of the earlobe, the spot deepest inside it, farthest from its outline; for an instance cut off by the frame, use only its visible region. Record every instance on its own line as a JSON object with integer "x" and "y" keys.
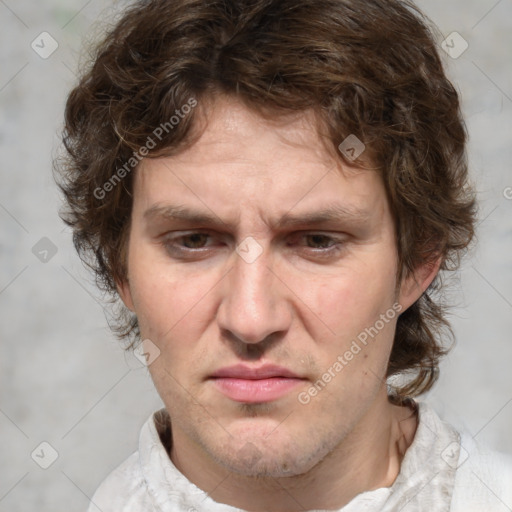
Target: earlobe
{"x": 123, "y": 289}
{"x": 414, "y": 285}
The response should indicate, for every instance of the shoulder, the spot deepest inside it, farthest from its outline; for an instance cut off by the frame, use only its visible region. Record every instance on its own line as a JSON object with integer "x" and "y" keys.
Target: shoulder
{"x": 147, "y": 480}
{"x": 123, "y": 490}
{"x": 483, "y": 479}
{"x": 456, "y": 468}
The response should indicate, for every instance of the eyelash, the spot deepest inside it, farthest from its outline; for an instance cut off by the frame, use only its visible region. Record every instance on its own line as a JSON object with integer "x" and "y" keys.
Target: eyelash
{"x": 335, "y": 245}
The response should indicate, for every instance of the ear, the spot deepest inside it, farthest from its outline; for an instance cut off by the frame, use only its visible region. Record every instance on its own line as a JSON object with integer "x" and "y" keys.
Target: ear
{"x": 414, "y": 285}
{"x": 123, "y": 289}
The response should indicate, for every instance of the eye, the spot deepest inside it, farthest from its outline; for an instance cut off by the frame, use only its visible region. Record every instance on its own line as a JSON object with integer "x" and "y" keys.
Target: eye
{"x": 194, "y": 240}
{"x": 317, "y": 246}
{"x": 319, "y": 241}
{"x": 194, "y": 244}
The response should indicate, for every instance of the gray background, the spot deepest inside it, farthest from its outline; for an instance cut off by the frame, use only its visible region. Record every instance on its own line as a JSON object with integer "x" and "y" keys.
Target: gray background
{"x": 65, "y": 380}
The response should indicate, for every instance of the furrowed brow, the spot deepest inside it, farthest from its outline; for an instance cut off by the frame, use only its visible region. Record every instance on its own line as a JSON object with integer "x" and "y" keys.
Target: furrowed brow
{"x": 327, "y": 216}
{"x": 181, "y": 213}
{"x": 330, "y": 215}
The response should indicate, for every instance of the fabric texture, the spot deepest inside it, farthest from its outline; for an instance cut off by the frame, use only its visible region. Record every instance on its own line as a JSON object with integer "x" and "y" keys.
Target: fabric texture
{"x": 442, "y": 471}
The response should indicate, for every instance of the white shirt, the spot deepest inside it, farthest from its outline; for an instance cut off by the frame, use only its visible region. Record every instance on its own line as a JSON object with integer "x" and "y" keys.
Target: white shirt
{"x": 442, "y": 471}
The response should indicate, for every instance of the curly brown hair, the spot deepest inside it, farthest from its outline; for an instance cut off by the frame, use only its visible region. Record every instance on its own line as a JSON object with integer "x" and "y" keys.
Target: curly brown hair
{"x": 369, "y": 68}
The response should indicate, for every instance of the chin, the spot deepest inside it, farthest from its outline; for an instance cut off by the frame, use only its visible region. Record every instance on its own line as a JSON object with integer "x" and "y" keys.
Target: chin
{"x": 264, "y": 456}
{"x": 254, "y": 463}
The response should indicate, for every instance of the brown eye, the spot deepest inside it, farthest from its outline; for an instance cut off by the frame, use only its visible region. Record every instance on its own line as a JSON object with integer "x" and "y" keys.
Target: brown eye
{"x": 317, "y": 241}
{"x": 317, "y": 246}
{"x": 192, "y": 245}
{"x": 195, "y": 240}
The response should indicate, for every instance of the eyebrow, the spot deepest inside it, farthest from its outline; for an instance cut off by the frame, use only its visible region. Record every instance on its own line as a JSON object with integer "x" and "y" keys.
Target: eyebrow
{"x": 181, "y": 213}
{"x": 329, "y": 214}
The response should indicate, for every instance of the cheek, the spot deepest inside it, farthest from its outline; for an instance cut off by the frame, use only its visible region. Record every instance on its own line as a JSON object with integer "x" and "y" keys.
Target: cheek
{"x": 351, "y": 303}
{"x": 352, "y": 359}
{"x": 165, "y": 299}
{"x": 358, "y": 340}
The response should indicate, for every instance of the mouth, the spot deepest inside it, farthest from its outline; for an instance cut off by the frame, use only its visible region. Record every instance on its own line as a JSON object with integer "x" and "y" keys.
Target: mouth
{"x": 246, "y": 384}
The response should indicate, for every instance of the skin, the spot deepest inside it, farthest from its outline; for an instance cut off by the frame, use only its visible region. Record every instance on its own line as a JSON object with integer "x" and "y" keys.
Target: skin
{"x": 314, "y": 287}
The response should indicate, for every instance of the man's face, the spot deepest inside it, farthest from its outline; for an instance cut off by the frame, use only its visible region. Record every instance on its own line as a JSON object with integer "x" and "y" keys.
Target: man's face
{"x": 254, "y": 263}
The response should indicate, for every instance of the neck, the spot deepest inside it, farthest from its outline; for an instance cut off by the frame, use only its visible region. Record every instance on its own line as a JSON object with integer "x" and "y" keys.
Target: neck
{"x": 368, "y": 458}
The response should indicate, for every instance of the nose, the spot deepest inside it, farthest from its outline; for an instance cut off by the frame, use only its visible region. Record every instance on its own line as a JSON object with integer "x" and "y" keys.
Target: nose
{"x": 254, "y": 305}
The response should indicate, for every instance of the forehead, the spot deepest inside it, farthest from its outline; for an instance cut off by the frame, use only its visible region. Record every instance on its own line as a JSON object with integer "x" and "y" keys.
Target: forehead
{"x": 242, "y": 160}
{"x": 230, "y": 131}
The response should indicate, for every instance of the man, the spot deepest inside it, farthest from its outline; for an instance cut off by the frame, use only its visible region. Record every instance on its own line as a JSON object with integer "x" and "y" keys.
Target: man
{"x": 272, "y": 189}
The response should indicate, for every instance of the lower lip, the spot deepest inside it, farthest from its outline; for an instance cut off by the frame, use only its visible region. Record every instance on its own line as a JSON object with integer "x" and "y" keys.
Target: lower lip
{"x": 255, "y": 391}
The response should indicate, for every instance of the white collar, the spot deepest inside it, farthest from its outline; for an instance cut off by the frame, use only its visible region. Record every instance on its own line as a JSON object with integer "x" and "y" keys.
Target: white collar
{"x": 424, "y": 484}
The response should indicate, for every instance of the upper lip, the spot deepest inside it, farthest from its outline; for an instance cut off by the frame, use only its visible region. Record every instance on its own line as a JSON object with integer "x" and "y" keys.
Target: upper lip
{"x": 241, "y": 371}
